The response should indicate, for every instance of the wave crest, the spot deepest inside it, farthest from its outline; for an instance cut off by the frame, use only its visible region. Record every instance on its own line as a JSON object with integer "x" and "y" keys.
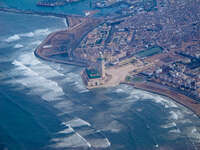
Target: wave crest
{"x": 13, "y": 38}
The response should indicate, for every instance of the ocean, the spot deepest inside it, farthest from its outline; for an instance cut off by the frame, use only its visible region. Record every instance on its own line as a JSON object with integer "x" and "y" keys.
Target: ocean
{"x": 77, "y": 8}
{"x": 45, "y": 106}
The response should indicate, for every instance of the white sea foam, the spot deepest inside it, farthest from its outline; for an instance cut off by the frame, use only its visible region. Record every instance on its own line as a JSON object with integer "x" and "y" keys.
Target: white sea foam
{"x": 177, "y": 131}
{"x": 113, "y": 127}
{"x": 13, "y": 38}
{"x": 86, "y": 132}
{"x": 37, "y": 42}
{"x": 184, "y": 121}
{"x": 76, "y": 80}
{"x": 66, "y": 106}
{"x": 55, "y": 95}
{"x": 167, "y": 103}
{"x": 175, "y": 115}
{"x": 100, "y": 143}
{"x": 74, "y": 140}
{"x": 194, "y": 133}
{"x": 80, "y": 86}
{"x": 138, "y": 94}
{"x": 119, "y": 106}
{"x": 18, "y": 46}
{"x": 78, "y": 122}
{"x": 42, "y": 69}
{"x": 38, "y": 32}
{"x": 119, "y": 90}
{"x": 37, "y": 82}
{"x": 29, "y": 34}
{"x": 188, "y": 112}
{"x": 42, "y": 32}
{"x": 67, "y": 130}
{"x": 169, "y": 125}
{"x": 88, "y": 144}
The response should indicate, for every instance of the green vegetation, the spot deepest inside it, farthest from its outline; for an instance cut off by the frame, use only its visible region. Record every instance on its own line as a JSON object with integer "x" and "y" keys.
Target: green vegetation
{"x": 137, "y": 79}
{"x": 127, "y": 61}
{"x": 150, "y": 51}
{"x": 134, "y": 79}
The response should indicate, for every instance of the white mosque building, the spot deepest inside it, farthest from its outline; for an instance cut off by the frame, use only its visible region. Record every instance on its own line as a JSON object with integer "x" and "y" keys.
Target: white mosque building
{"x": 95, "y": 77}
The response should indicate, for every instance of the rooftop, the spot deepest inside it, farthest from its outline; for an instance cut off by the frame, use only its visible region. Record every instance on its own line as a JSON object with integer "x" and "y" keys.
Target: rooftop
{"x": 93, "y": 73}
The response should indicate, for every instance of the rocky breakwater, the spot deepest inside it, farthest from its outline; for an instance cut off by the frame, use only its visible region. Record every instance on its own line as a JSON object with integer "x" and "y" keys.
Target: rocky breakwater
{"x": 59, "y": 46}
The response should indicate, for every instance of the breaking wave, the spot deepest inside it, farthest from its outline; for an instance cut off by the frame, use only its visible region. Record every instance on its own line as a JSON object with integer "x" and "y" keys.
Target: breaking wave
{"x": 38, "y": 32}
{"x": 86, "y": 137}
{"x": 37, "y": 42}
{"x": 49, "y": 89}
{"x": 76, "y": 81}
{"x": 169, "y": 125}
{"x": 42, "y": 32}
{"x": 29, "y": 34}
{"x": 113, "y": 127}
{"x": 77, "y": 123}
{"x": 13, "y": 38}
{"x": 18, "y": 46}
{"x": 176, "y": 115}
{"x": 74, "y": 140}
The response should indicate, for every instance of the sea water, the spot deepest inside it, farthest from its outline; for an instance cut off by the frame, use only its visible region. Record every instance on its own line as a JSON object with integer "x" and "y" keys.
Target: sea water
{"x": 44, "y": 105}
{"x": 73, "y": 8}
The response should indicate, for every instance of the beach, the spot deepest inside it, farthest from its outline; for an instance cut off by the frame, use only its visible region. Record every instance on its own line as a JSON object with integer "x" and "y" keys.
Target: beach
{"x": 186, "y": 101}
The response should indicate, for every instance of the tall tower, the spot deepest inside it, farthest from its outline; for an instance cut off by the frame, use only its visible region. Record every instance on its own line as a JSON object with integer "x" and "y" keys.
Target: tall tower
{"x": 101, "y": 66}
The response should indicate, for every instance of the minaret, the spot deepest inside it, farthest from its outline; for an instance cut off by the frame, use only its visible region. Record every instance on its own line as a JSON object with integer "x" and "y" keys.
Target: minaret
{"x": 101, "y": 66}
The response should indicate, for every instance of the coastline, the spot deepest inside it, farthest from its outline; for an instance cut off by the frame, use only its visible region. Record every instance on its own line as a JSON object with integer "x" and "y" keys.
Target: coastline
{"x": 121, "y": 116}
{"x": 37, "y": 52}
{"x": 58, "y": 61}
{"x": 179, "y": 98}
{"x": 73, "y": 35}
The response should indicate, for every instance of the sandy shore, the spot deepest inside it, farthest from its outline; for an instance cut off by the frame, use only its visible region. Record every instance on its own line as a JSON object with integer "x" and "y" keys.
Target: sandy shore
{"x": 186, "y": 101}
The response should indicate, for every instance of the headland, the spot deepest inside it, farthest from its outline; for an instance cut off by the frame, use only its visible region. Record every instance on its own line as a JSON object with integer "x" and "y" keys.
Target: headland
{"x": 133, "y": 45}
{"x": 59, "y": 46}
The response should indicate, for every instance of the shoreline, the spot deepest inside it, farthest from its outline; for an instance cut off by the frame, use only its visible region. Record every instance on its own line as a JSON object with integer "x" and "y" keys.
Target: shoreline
{"x": 156, "y": 88}
{"x": 177, "y": 97}
{"x": 37, "y": 53}
{"x": 58, "y": 61}
{"x": 73, "y": 35}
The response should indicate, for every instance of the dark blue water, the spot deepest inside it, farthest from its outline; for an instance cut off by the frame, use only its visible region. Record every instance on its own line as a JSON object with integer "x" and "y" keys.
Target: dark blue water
{"x": 45, "y": 106}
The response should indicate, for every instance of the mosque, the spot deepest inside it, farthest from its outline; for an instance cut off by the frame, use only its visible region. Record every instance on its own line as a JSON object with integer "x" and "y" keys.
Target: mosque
{"x": 95, "y": 76}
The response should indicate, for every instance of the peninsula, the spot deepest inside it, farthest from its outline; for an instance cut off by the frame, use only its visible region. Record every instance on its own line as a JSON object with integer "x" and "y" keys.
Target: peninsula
{"x": 149, "y": 43}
